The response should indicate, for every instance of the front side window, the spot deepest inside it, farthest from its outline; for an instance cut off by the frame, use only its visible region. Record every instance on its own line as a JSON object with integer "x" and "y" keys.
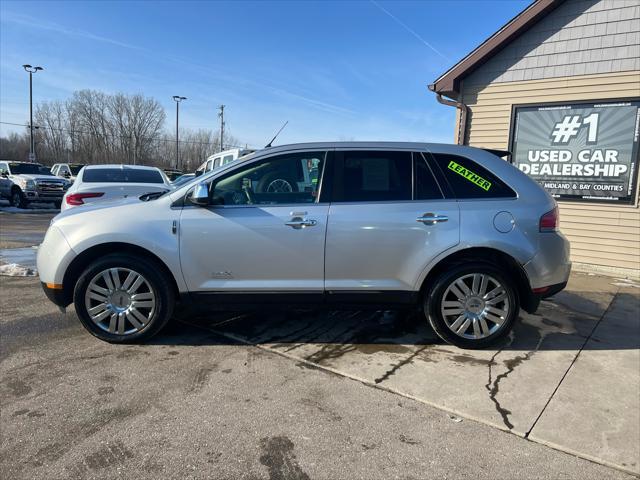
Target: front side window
{"x": 4, "y": 168}
{"x": 63, "y": 170}
{"x": 468, "y": 179}
{"x": 227, "y": 159}
{"x": 283, "y": 179}
{"x": 372, "y": 176}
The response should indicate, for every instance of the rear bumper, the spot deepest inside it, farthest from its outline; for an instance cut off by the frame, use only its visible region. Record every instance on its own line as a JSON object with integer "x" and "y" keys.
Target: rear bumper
{"x": 551, "y": 266}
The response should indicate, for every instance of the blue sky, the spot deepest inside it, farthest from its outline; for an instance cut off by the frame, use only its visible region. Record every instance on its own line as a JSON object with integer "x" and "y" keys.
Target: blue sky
{"x": 335, "y": 70}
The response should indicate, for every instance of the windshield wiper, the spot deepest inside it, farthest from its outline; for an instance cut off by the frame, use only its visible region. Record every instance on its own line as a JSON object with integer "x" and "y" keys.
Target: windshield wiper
{"x": 152, "y": 195}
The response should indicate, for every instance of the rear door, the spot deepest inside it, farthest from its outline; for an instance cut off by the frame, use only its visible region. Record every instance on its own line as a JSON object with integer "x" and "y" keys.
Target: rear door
{"x": 387, "y": 221}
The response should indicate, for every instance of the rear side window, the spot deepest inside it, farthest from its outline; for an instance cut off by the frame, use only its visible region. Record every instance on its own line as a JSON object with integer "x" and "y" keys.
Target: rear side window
{"x": 121, "y": 175}
{"x": 372, "y": 176}
{"x": 468, "y": 179}
{"x": 425, "y": 185}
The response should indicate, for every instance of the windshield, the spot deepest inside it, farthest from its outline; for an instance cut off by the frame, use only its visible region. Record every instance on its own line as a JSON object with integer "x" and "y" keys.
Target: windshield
{"x": 121, "y": 175}
{"x": 75, "y": 169}
{"x": 181, "y": 180}
{"x": 25, "y": 168}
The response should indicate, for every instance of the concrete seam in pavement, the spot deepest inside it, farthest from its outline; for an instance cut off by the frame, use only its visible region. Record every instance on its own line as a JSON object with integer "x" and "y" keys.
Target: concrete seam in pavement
{"x": 535, "y": 422}
{"x": 447, "y": 410}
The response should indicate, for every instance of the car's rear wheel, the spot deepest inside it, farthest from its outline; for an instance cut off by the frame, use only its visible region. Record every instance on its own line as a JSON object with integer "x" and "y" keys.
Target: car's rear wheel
{"x": 472, "y": 305}
{"x": 123, "y": 299}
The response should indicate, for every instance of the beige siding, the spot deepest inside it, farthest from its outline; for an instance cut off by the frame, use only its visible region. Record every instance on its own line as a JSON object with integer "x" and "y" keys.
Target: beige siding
{"x": 605, "y": 235}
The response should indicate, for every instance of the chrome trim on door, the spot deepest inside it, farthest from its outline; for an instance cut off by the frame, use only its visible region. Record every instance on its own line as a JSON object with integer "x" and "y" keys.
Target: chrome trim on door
{"x": 432, "y": 218}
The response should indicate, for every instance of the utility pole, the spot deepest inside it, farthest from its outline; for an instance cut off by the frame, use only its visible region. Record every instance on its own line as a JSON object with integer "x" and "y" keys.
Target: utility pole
{"x": 221, "y": 115}
{"x": 178, "y": 99}
{"x": 32, "y": 145}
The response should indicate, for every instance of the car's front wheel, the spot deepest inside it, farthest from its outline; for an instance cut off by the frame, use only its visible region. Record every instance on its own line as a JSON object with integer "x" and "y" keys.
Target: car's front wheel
{"x": 17, "y": 198}
{"x": 123, "y": 299}
{"x": 472, "y": 305}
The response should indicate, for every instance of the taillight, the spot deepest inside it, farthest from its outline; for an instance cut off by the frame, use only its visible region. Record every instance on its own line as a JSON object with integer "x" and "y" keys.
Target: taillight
{"x": 77, "y": 198}
{"x": 549, "y": 221}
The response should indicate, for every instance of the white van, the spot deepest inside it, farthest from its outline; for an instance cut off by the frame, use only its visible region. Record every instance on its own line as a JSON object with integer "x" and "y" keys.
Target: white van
{"x": 222, "y": 158}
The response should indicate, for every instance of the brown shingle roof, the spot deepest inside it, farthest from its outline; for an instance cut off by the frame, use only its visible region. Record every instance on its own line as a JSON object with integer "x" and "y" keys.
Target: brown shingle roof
{"x": 448, "y": 83}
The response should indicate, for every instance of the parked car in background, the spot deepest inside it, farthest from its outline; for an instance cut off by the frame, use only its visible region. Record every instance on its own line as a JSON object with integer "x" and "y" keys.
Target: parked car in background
{"x": 453, "y": 232}
{"x": 172, "y": 173}
{"x": 222, "y": 158}
{"x": 108, "y": 182}
{"x": 28, "y": 184}
{"x": 182, "y": 179}
{"x": 67, "y": 170}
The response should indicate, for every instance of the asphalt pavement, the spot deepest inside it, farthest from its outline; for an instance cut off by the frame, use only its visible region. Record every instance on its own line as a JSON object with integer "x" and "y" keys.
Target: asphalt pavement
{"x": 250, "y": 396}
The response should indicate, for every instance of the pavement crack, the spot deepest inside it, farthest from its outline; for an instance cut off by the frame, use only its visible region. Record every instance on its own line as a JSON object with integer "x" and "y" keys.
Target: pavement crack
{"x": 399, "y": 365}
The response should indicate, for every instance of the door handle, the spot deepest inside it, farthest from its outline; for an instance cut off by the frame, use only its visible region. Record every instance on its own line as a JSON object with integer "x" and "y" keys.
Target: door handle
{"x": 432, "y": 218}
{"x": 299, "y": 223}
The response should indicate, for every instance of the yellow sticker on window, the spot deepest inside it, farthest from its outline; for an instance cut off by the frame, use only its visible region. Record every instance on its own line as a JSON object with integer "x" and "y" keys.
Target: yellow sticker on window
{"x": 469, "y": 175}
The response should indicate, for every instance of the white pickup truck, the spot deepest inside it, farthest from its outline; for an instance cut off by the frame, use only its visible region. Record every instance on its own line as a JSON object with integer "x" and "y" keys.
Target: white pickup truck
{"x": 222, "y": 158}
{"x": 26, "y": 184}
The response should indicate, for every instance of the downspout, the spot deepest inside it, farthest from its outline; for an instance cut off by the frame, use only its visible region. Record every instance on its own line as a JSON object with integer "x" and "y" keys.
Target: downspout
{"x": 462, "y": 128}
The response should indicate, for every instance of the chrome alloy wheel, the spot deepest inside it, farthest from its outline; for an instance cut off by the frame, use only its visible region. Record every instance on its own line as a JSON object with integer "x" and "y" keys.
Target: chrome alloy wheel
{"x": 120, "y": 301}
{"x": 279, "y": 185}
{"x": 475, "y": 306}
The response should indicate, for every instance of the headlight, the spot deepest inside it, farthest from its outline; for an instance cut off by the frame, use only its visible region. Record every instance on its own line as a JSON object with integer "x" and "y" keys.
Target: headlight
{"x": 30, "y": 185}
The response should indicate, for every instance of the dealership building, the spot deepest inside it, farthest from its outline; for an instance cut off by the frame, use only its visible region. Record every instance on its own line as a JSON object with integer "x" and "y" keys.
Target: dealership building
{"x": 559, "y": 87}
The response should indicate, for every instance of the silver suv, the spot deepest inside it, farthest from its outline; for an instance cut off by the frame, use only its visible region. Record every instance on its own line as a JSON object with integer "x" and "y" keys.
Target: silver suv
{"x": 452, "y": 231}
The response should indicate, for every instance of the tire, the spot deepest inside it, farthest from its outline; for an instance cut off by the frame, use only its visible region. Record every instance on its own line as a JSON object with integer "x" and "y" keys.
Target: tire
{"x": 274, "y": 182}
{"x": 17, "y": 198}
{"x": 128, "y": 326}
{"x": 489, "y": 313}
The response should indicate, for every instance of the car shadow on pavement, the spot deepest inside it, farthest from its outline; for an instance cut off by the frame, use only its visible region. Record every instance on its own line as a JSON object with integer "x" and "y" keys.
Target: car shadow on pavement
{"x": 554, "y": 327}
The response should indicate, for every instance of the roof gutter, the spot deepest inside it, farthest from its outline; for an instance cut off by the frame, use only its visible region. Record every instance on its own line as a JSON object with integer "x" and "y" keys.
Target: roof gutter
{"x": 464, "y": 111}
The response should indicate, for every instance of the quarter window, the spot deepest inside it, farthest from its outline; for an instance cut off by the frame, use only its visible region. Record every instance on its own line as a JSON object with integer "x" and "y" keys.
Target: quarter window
{"x": 284, "y": 179}
{"x": 372, "y": 176}
{"x": 470, "y": 180}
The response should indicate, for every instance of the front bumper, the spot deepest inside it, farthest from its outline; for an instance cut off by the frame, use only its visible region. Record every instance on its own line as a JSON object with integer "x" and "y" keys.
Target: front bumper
{"x": 37, "y": 196}
{"x": 56, "y": 295}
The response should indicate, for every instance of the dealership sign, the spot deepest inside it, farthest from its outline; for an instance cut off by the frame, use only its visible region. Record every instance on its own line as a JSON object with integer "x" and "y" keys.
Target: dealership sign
{"x": 586, "y": 151}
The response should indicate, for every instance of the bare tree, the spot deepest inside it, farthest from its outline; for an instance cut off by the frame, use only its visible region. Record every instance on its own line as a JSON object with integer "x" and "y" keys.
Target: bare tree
{"x": 51, "y": 121}
{"x": 95, "y": 127}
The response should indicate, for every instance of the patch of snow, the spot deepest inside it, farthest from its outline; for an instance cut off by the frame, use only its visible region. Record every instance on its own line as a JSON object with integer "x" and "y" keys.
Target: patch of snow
{"x": 17, "y": 270}
{"x": 35, "y": 207}
{"x": 626, "y": 283}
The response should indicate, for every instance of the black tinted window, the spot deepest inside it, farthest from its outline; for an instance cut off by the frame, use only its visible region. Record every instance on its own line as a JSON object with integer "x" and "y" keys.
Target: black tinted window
{"x": 470, "y": 180}
{"x": 425, "y": 187}
{"x": 121, "y": 175}
{"x": 370, "y": 176}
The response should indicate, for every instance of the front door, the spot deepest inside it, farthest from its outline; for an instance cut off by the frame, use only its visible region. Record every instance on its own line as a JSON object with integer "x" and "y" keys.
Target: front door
{"x": 263, "y": 231}
{"x": 388, "y": 219}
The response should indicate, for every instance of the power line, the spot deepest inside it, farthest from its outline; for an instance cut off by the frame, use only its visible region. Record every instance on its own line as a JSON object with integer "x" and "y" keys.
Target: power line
{"x": 127, "y": 137}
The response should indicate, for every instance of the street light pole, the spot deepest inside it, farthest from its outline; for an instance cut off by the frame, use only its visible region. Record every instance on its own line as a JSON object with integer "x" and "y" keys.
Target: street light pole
{"x": 32, "y": 147}
{"x": 178, "y": 99}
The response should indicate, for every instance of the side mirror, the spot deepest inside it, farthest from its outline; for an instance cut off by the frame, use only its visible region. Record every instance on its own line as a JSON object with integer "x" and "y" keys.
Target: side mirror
{"x": 4, "y": 174}
{"x": 199, "y": 172}
{"x": 67, "y": 175}
{"x": 200, "y": 195}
